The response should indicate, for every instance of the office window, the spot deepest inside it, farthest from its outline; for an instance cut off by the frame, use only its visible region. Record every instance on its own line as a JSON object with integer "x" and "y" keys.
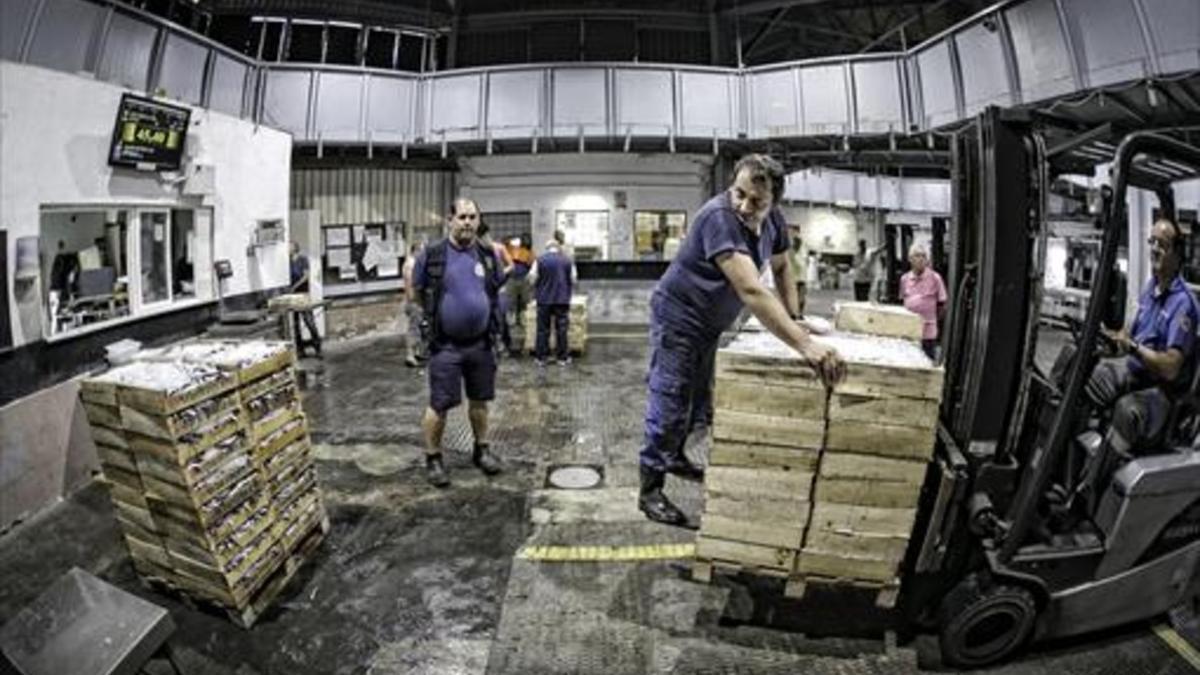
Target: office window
{"x": 506, "y": 225}
{"x": 586, "y": 233}
{"x": 153, "y": 249}
{"x": 105, "y": 264}
{"x": 658, "y": 234}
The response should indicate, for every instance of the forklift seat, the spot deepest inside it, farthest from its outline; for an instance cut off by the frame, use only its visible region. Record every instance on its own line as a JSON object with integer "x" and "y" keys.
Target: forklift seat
{"x": 1183, "y": 422}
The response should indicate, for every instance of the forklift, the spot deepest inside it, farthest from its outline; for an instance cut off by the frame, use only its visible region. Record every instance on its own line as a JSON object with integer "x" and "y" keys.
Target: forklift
{"x": 996, "y": 561}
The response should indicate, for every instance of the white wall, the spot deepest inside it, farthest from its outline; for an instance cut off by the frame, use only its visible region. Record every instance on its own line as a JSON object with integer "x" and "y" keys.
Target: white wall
{"x": 55, "y": 130}
{"x": 544, "y": 184}
{"x": 828, "y": 229}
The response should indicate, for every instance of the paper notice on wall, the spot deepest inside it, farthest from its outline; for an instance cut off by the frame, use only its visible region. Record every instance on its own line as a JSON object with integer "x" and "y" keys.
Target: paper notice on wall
{"x": 158, "y": 232}
{"x": 339, "y": 257}
{"x": 337, "y": 236}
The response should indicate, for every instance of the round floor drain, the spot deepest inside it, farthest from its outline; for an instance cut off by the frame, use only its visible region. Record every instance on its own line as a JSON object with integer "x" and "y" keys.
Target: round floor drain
{"x": 574, "y": 477}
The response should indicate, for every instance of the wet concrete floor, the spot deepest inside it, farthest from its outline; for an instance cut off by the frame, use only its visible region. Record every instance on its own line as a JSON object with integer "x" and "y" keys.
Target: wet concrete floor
{"x": 415, "y": 580}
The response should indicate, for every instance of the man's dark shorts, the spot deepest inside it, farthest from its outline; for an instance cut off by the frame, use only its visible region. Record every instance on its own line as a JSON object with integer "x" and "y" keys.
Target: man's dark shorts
{"x": 453, "y": 367}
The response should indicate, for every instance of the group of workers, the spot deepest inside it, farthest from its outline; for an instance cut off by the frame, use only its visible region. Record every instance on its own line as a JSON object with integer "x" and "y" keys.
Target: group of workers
{"x": 454, "y": 288}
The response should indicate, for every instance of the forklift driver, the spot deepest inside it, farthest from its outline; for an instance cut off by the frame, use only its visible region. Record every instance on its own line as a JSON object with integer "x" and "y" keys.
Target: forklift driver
{"x": 1159, "y": 360}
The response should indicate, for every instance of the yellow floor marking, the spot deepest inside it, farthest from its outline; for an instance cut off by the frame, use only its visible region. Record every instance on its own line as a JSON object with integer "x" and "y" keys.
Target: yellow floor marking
{"x": 607, "y": 553}
{"x": 1175, "y": 641}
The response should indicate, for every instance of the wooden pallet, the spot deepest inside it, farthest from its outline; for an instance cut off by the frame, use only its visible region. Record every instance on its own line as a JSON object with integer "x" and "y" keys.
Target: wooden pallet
{"x": 704, "y": 570}
{"x": 243, "y": 611}
{"x": 885, "y": 592}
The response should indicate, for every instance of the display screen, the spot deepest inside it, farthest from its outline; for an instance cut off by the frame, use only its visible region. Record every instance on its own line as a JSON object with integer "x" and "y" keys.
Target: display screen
{"x": 148, "y": 135}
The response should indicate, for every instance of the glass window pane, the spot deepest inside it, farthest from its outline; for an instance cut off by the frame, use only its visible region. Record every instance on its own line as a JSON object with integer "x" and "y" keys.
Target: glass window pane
{"x": 183, "y": 254}
{"x": 153, "y": 249}
{"x": 82, "y": 262}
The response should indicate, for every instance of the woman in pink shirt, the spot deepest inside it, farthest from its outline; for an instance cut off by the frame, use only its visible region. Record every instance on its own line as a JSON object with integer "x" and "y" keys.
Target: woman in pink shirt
{"x": 924, "y": 293}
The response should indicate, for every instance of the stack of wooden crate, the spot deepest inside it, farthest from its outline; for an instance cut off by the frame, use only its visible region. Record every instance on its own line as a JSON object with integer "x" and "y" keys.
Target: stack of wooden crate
{"x": 768, "y": 427}
{"x": 207, "y": 457}
{"x": 879, "y": 440}
{"x": 827, "y": 482}
{"x": 577, "y": 327}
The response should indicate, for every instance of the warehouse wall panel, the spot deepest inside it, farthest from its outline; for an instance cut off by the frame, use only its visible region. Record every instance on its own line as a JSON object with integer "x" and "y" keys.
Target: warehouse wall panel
{"x": 391, "y": 102}
{"x": 938, "y": 96}
{"x": 774, "y": 110}
{"x": 1108, "y": 39}
{"x": 1175, "y": 28}
{"x": 182, "y": 71}
{"x": 984, "y": 73}
{"x": 358, "y": 195}
{"x": 515, "y": 103}
{"x": 879, "y": 97}
{"x": 454, "y": 102}
{"x": 824, "y": 106}
{"x": 227, "y": 89}
{"x": 127, "y": 50}
{"x": 708, "y": 104}
{"x": 1043, "y": 61}
{"x": 580, "y": 100}
{"x": 339, "y": 107}
{"x": 66, "y": 34}
{"x": 645, "y": 102}
{"x": 285, "y": 103}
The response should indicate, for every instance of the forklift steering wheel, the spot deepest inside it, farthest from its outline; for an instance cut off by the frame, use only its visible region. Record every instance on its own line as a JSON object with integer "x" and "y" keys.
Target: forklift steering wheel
{"x": 1105, "y": 345}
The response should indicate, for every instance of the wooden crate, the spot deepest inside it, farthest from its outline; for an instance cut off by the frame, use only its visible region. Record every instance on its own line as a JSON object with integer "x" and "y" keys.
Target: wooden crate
{"x": 292, "y": 430}
{"x": 274, "y": 421}
{"x": 164, "y": 388}
{"x": 293, "y": 482}
{"x": 916, "y": 412}
{"x": 777, "y": 400}
{"x": 752, "y": 558}
{"x": 752, "y": 428}
{"x": 189, "y": 421}
{"x": 229, "y": 429}
{"x": 112, "y": 438}
{"x": 101, "y": 415}
{"x": 875, "y": 319}
{"x": 220, "y": 553}
{"x": 295, "y": 456}
{"x": 175, "y": 524}
{"x": 120, "y": 458}
{"x": 262, "y": 385}
{"x": 865, "y": 480}
{"x": 734, "y": 453}
{"x": 196, "y": 490}
{"x": 577, "y": 327}
{"x": 884, "y": 440}
{"x": 245, "y": 360}
{"x": 197, "y": 468}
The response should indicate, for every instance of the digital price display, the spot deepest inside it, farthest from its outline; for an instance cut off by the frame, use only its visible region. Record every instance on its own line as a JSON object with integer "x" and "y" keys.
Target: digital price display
{"x": 148, "y": 135}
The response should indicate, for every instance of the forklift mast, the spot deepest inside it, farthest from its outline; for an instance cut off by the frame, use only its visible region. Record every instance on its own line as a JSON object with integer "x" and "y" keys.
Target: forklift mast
{"x": 995, "y": 269}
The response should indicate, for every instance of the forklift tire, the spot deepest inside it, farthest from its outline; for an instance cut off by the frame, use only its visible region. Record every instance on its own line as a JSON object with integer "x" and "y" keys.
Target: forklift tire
{"x": 983, "y": 624}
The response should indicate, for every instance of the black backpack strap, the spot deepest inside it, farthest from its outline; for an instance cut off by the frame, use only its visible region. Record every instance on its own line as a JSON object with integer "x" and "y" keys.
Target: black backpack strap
{"x": 435, "y": 272}
{"x": 487, "y": 258}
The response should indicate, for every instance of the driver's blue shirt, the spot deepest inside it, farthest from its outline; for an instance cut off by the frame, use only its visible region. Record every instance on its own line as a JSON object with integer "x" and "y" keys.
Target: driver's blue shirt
{"x": 1165, "y": 321}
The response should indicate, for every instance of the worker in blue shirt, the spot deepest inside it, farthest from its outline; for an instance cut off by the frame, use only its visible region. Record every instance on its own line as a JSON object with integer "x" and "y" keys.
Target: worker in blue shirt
{"x": 715, "y": 273}
{"x": 1157, "y": 364}
{"x": 458, "y": 281}
{"x": 553, "y": 277}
